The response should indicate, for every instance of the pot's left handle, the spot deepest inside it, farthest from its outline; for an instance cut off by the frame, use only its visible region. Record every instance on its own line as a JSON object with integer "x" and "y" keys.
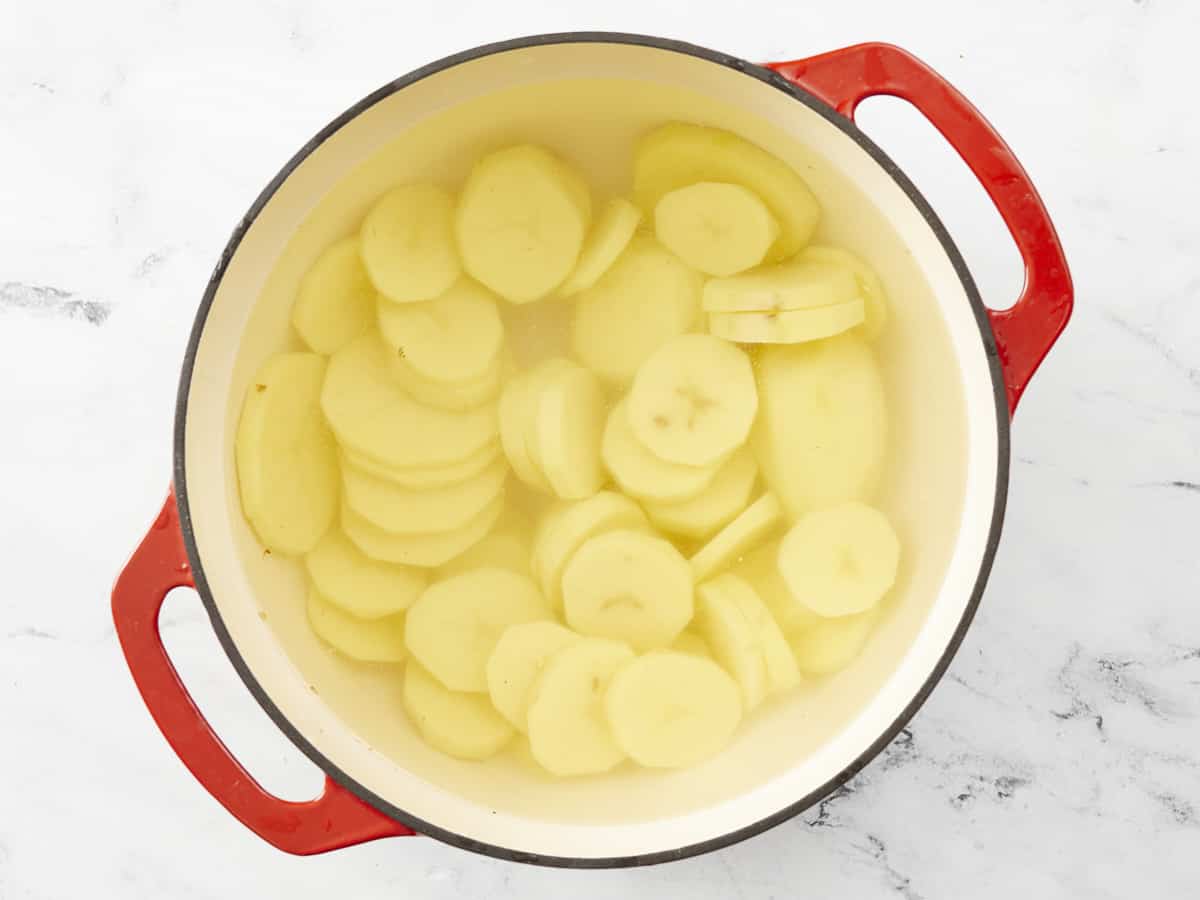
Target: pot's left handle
{"x": 335, "y": 819}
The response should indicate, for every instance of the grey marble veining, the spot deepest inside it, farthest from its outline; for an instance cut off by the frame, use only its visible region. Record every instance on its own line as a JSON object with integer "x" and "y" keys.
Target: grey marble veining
{"x": 1059, "y": 758}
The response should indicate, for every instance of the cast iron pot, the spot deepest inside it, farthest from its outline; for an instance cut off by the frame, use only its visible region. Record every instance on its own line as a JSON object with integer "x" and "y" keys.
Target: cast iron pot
{"x": 954, "y": 370}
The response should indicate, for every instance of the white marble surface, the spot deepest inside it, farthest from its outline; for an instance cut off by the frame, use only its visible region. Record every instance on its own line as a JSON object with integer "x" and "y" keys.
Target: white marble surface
{"x": 1061, "y": 756}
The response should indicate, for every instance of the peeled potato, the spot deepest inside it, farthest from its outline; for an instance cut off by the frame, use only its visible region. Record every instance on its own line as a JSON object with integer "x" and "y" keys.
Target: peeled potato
{"x": 569, "y": 732}
{"x": 403, "y": 510}
{"x": 371, "y": 414}
{"x": 715, "y": 506}
{"x": 425, "y": 477}
{"x": 691, "y": 642}
{"x": 832, "y": 644}
{"x": 518, "y": 413}
{"x": 429, "y": 550}
{"x": 820, "y": 435}
{"x": 564, "y": 529}
{"x": 719, "y": 228}
{"x": 336, "y": 300}
{"x": 753, "y": 526}
{"x": 760, "y": 569}
{"x": 629, "y": 586}
{"x": 517, "y": 661}
{"x": 734, "y": 640}
{"x": 569, "y": 418}
{"x": 407, "y": 243}
{"x": 363, "y": 587}
{"x": 458, "y": 396}
{"x": 641, "y": 473}
{"x": 502, "y": 549}
{"x": 803, "y": 283}
{"x": 453, "y": 628}
{"x": 870, "y": 288}
{"x": 694, "y": 400}
{"x": 788, "y": 327}
{"x": 669, "y": 710}
{"x": 368, "y": 640}
{"x": 680, "y": 153}
{"x": 452, "y": 338}
{"x": 610, "y": 235}
{"x": 286, "y": 458}
{"x": 840, "y": 560}
{"x": 464, "y": 726}
{"x": 644, "y": 300}
{"x": 521, "y": 222}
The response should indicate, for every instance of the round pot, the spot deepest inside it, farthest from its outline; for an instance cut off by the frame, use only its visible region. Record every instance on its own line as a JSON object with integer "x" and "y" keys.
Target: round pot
{"x": 953, "y": 368}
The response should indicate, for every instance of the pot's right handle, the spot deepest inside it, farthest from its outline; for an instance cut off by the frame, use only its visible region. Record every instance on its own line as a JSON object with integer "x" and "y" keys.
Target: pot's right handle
{"x": 335, "y": 819}
{"x": 1026, "y": 332}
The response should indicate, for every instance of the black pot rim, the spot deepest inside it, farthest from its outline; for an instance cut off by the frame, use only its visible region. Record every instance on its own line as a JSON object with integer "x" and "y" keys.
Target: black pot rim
{"x": 430, "y": 829}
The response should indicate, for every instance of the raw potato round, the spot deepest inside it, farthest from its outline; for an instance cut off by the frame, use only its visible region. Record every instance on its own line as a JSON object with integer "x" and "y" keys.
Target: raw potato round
{"x": 405, "y": 511}
{"x": 789, "y": 327}
{"x": 367, "y": 640}
{"x": 821, "y": 433}
{"x": 733, "y": 639}
{"x": 832, "y": 644}
{"x": 428, "y": 550}
{"x": 870, "y": 288}
{"x": 691, "y": 642}
{"x": 569, "y": 419}
{"x": 642, "y": 474}
{"x": 569, "y": 732}
{"x": 694, "y": 400}
{"x": 425, "y": 477}
{"x": 629, "y": 586}
{"x": 453, "y": 338}
{"x": 728, "y": 605}
{"x": 458, "y": 396}
{"x": 336, "y": 300}
{"x": 461, "y": 725}
{"x": 564, "y": 529}
{"x": 518, "y": 416}
{"x": 679, "y": 153}
{"x": 801, "y": 283}
{"x": 371, "y": 414}
{"x": 286, "y": 458}
{"x": 840, "y": 560}
{"x": 609, "y": 237}
{"x": 720, "y": 229}
{"x": 753, "y": 526}
{"x": 760, "y": 569}
{"x": 504, "y": 548}
{"x": 669, "y": 710}
{"x": 521, "y": 222}
{"x": 407, "y": 243}
{"x": 644, "y": 300}
{"x": 362, "y": 587}
{"x": 782, "y": 673}
{"x": 453, "y": 628}
{"x": 517, "y": 661}
{"x": 714, "y": 507}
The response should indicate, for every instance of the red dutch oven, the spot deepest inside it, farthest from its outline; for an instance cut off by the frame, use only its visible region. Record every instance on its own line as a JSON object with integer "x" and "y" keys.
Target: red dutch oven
{"x": 954, "y": 368}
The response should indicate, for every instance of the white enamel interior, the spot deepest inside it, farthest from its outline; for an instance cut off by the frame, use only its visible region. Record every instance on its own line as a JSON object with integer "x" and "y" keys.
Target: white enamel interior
{"x": 588, "y": 101}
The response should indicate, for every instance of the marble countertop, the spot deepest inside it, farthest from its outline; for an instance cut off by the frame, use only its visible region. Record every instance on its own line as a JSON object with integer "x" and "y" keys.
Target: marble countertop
{"x": 1061, "y": 755}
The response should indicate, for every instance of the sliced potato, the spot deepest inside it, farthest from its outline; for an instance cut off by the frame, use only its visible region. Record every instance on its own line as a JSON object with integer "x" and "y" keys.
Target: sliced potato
{"x": 461, "y": 725}
{"x": 840, "y": 560}
{"x": 719, "y": 228}
{"x": 610, "y": 235}
{"x": 336, "y": 300}
{"x": 669, "y": 710}
{"x": 870, "y": 288}
{"x": 681, "y": 153}
{"x": 521, "y": 222}
{"x": 401, "y": 510}
{"x": 629, "y": 586}
{"x": 458, "y": 396}
{"x": 692, "y": 642}
{"x": 789, "y": 327}
{"x": 714, "y": 507}
{"x": 371, "y": 414}
{"x": 518, "y": 419}
{"x": 642, "y": 474}
{"x": 453, "y": 628}
{"x": 569, "y": 419}
{"x": 368, "y": 640}
{"x": 407, "y": 243}
{"x": 428, "y": 550}
{"x": 425, "y": 477}
{"x": 760, "y": 569}
{"x": 501, "y": 549}
{"x": 802, "y": 283}
{"x": 832, "y": 644}
{"x": 517, "y": 661}
{"x": 820, "y": 436}
{"x": 569, "y": 732}
{"x": 648, "y": 286}
{"x": 733, "y": 639}
{"x": 753, "y": 526}
{"x": 286, "y": 458}
{"x": 363, "y": 587}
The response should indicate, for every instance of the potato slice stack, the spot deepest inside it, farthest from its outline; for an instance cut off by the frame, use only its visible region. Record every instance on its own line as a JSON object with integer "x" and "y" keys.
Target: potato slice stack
{"x": 688, "y": 533}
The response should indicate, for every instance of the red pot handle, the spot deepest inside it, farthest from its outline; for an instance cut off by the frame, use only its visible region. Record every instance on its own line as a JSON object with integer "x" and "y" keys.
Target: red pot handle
{"x": 335, "y": 819}
{"x": 1027, "y": 331}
